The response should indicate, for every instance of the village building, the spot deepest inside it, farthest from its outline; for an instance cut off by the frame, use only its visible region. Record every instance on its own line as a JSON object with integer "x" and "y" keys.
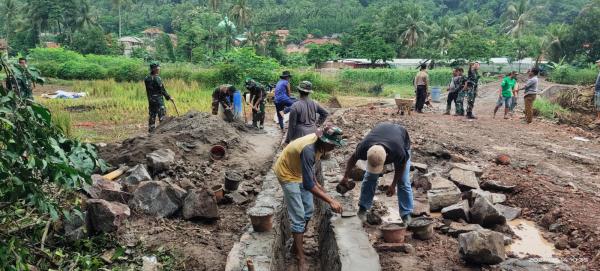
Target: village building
{"x": 129, "y": 44}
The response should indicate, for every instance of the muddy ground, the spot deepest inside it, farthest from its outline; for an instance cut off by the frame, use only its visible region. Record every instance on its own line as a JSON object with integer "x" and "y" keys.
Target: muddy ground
{"x": 557, "y": 174}
{"x": 196, "y": 245}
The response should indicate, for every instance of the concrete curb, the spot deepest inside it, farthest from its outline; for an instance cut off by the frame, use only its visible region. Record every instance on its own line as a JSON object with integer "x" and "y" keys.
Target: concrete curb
{"x": 265, "y": 249}
{"x": 343, "y": 242}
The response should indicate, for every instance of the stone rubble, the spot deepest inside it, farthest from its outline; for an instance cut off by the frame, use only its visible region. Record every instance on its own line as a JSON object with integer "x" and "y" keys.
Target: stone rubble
{"x": 200, "y": 203}
{"x": 482, "y": 247}
{"x": 106, "y": 216}
{"x": 160, "y": 160}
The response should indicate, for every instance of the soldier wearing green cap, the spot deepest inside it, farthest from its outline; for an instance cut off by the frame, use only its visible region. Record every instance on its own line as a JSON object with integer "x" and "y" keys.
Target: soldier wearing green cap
{"x": 258, "y": 95}
{"x": 295, "y": 170}
{"x": 303, "y": 114}
{"x": 155, "y": 91}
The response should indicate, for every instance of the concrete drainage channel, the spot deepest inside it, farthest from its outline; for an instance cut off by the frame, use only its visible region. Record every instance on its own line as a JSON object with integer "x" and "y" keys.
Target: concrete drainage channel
{"x": 343, "y": 242}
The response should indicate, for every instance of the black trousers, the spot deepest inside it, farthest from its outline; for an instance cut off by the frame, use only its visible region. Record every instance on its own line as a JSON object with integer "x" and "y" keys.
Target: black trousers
{"x": 451, "y": 98}
{"x": 421, "y": 98}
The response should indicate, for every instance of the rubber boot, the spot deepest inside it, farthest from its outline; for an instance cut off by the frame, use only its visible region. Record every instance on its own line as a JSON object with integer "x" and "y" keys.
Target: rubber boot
{"x": 470, "y": 116}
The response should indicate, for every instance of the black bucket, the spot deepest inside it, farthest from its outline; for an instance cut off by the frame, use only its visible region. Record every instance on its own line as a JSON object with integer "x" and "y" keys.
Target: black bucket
{"x": 232, "y": 181}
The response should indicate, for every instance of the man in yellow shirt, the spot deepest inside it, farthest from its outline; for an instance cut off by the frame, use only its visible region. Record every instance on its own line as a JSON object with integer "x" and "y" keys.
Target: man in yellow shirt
{"x": 295, "y": 170}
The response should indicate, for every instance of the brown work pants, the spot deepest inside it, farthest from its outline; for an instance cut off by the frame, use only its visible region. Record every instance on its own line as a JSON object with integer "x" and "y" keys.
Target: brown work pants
{"x": 529, "y": 99}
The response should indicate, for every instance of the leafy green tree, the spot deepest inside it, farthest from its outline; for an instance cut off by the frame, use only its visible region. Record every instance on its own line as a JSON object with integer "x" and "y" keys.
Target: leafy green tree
{"x": 319, "y": 54}
{"x": 375, "y": 49}
{"x": 90, "y": 41}
{"x": 470, "y": 47}
{"x": 584, "y": 37}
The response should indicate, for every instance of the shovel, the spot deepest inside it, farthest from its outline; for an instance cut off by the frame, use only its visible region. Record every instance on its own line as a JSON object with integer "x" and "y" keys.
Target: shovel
{"x": 175, "y": 107}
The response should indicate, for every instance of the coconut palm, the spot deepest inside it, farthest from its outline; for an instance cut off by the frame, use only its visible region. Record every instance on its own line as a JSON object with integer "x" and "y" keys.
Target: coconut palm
{"x": 215, "y": 5}
{"x": 517, "y": 17}
{"x": 119, "y": 5}
{"x": 414, "y": 29}
{"x": 241, "y": 13}
{"x": 555, "y": 35}
{"x": 443, "y": 34}
{"x": 472, "y": 22}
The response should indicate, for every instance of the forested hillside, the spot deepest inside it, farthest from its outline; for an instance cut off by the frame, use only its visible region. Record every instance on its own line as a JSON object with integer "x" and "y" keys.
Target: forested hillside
{"x": 427, "y": 28}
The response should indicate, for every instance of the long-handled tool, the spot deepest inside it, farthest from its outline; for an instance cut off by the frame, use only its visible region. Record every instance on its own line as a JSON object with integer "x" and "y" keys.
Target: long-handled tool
{"x": 245, "y": 117}
{"x": 174, "y": 105}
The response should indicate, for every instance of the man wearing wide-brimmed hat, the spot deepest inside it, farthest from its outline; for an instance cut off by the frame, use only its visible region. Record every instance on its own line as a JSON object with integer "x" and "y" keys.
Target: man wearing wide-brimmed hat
{"x": 303, "y": 114}
{"x": 387, "y": 143}
{"x": 283, "y": 98}
{"x": 295, "y": 170}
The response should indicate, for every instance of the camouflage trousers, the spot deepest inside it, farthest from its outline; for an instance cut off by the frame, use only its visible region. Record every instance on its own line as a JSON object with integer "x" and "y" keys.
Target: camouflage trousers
{"x": 459, "y": 103}
{"x": 258, "y": 116}
{"x": 471, "y": 94}
{"x": 156, "y": 109}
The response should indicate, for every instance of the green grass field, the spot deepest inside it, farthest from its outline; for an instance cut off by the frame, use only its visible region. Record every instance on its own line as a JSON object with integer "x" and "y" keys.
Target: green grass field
{"x": 113, "y": 111}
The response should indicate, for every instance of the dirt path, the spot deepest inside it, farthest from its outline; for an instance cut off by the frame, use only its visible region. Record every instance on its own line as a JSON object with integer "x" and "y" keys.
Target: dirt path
{"x": 554, "y": 172}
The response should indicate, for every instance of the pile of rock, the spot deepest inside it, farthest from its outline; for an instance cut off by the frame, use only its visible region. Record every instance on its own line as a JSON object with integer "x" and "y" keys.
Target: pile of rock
{"x": 468, "y": 210}
{"x": 110, "y": 201}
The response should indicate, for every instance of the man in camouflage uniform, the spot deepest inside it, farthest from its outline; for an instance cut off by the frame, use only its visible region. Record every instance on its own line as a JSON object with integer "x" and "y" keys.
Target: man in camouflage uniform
{"x": 223, "y": 97}
{"x": 459, "y": 84}
{"x": 471, "y": 88}
{"x": 258, "y": 95}
{"x": 155, "y": 91}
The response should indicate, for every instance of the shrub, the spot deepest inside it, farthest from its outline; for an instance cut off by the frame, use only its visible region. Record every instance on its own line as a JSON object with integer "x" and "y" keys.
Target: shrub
{"x": 81, "y": 70}
{"x": 566, "y": 74}
{"x": 58, "y": 55}
{"x": 48, "y": 68}
{"x": 248, "y": 64}
{"x": 320, "y": 83}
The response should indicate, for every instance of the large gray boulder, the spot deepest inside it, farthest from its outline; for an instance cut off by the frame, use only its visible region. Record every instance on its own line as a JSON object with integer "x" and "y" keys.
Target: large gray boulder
{"x": 443, "y": 193}
{"x": 455, "y": 228}
{"x": 200, "y": 203}
{"x": 510, "y": 213}
{"x": 159, "y": 199}
{"x": 482, "y": 247}
{"x": 457, "y": 211}
{"x": 466, "y": 180}
{"x": 106, "y": 216}
{"x": 492, "y": 197}
{"x": 136, "y": 175}
{"x": 160, "y": 160}
{"x": 484, "y": 213}
{"x": 99, "y": 184}
{"x": 474, "y": 169}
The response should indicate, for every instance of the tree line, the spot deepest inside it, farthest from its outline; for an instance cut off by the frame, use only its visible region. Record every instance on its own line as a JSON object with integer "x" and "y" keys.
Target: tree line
{"x": 374, "y": 29}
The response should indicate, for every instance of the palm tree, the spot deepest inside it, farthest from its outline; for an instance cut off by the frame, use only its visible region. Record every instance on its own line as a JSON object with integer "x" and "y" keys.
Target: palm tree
{"x": 414, "y": 29}
{"x": 472, "y": 22}
{"x": 555, "y": 34}
{"x": 215, "y": 5}
{"x": 241, "y": 13}
{"x": 119, "y": 5}
{"x": 517, "y": 17}
{"x": 443, "y": 34}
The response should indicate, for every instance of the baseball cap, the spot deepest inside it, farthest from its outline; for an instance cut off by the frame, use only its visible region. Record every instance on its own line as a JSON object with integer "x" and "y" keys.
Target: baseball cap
{"x": 376, "y": 159}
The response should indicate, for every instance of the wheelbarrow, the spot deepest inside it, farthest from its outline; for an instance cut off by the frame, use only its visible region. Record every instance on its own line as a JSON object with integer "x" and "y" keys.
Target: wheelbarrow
{"x": 404, "y": 105}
